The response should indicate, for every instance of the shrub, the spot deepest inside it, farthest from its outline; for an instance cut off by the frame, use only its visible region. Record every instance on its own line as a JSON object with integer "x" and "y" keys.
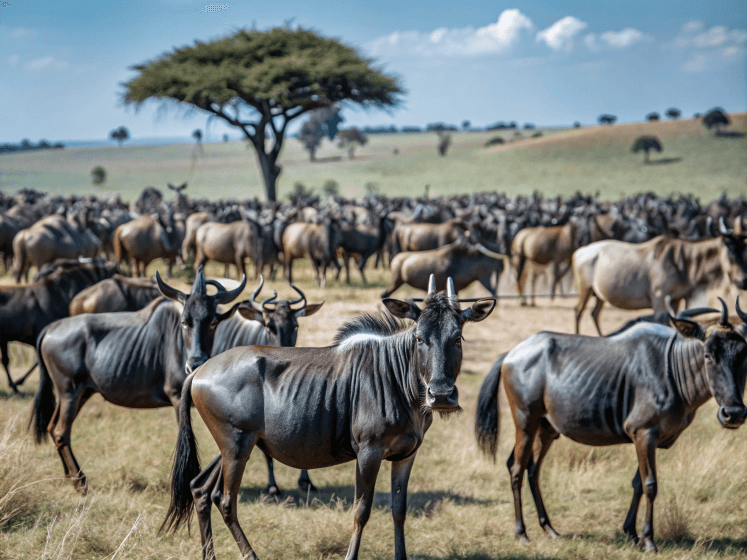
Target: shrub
{"x": 98, "y": 175}
{"x": 494, "y": 141}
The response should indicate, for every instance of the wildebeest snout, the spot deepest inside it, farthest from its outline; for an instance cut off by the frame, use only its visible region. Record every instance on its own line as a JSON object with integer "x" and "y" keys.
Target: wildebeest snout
{"x": 194, "y": 362}
{"x": 442, "y": 399}
{"x": 732, "y": 416}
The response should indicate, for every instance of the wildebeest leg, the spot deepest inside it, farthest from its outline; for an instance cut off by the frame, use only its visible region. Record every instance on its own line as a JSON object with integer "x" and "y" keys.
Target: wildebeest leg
{"x": 289, "y": 269}
{"x": 366, "y": 470}
{"x": 68, "y": 408}
{"x": 304, "y": 482}
{"x": 323, "y": 282}
{"x": 400, "y": 477}
{"x": 6, "y": 362}
{"x": 630, "y": 519}
{"x": 520, "y": 278}
{"x": 25, "y": 375}
{"x": 396, "y": 283}
{"x": 533, "y": 271}
{"x": 595, "y": 313}
{"x": 225, "y": 270}
{"x": 645, "y": 447}
{"x": 240, "y": 267}
{"x": 272, "y": 486}
{"x": 583, "y": 299}
{"x": 202, "y": 487}
{"x": 526, "y": 429}
{"x": 560, "y": 274}
{"x": 235, "y": 456}
{"x": 542, "y": 442}
{"x": 361, "y": 265}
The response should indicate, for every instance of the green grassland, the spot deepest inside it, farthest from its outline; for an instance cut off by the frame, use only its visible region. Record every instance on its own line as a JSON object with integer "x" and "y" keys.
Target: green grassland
{"x": 590, "y": 160}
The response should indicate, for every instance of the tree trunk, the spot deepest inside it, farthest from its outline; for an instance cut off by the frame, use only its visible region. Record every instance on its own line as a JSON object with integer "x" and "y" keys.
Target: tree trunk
{"x": 267, "y": 163}
{"x": 645, "y": 156}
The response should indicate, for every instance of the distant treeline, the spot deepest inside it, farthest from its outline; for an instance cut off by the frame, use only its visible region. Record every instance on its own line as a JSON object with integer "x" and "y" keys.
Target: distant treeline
{"x": 441, "y": 127}
{"x": 27, "y": 145}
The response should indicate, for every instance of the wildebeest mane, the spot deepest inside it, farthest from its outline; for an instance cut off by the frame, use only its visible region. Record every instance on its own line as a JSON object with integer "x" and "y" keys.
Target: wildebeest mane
{"x": 65, "y": 265}
{"x": 377, "y": 324}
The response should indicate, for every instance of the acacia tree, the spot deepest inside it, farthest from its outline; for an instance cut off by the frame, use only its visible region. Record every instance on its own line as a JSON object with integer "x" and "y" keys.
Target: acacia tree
{"x": 716, "y": 118}
{"x": 321, "y": 122}
{"x": 119, "y": 134}
{"x": 260, "y": 81}
{"x": 674, "y": 113}
{"x": 645, "y": 144}
{"x": 349, "y": 137}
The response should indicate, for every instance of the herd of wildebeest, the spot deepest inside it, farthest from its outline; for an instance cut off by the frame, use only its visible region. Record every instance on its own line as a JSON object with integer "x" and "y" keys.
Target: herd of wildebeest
{"x": 371, "y": 395}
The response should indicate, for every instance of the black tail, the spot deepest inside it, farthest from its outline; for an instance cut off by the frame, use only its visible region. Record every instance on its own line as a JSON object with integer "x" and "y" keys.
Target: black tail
{"x": 186, "y": 466}
{"x": 486, "y": 420}
{"x": 44, "y": 401}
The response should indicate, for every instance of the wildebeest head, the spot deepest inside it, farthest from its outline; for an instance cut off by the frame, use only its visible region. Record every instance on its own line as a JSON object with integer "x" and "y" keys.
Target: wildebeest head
{"x": 278, "y": 316}
{"x": 724, "y": 353}
{"x": 438, "y": 332}
{"x": 734, "y": 256}
{"x": 200, "y": 316}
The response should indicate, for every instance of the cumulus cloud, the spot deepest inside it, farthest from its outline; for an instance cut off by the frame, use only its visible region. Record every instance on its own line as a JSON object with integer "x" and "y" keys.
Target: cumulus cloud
{"x": 494, "y": 38}
{"x": 692, "y": 26}
{"x": 716, "y": 36}
{"x": 560, "y": 35}
{"x": 701, "y": 61}
{"x": 46, "y": 62}
{"x": 622, "y": 39}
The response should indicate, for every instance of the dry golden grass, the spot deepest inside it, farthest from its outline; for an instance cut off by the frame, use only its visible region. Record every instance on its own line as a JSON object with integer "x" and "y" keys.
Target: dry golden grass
{"x": 460, "y": 504}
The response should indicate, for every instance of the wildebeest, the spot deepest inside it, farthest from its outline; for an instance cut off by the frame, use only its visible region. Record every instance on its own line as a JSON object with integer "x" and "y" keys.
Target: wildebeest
{"x": 643, "y": 386}
{"x": 144, "y": 239}
{"x": 360, "y": 242}
{"x": 226, "y": 243}
{"x": 118, "y": 293}
{"x": 137, "y": 360}
{"x": 461, "y": 260}
{"x": 368, "y": 398}
{"x": 423, "y": 237}
{"x": 26, "y": 310}
{"x": 644, "y": 275}
{"x": 317, "y": 242}
{"x": 191, "y": 225}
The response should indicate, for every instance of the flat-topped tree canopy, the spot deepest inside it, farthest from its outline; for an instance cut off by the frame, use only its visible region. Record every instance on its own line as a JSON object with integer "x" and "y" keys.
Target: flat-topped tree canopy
{"x": 259, "y": 81}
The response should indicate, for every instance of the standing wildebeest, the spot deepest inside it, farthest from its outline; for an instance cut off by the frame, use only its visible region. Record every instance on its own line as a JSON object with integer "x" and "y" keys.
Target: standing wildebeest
{"x": 26, "y": 310}
{"x": 644, "y": 275}
{"x": 118, "y": 293}
{"x": 135, "y": 359}
{"x": 226, "y": 243}
{"x": 317, "y": 242}
{"x": 423, "y": 237}
{"x": 52, "y": 238}
{"x": 191, "y": 225}
{"x": 643, "y": 386}
{"x": 368, "y": 398}
{"x": 462, "y": 261}
{"x": 361, "y": 242}
{"x": 145, "y": 239}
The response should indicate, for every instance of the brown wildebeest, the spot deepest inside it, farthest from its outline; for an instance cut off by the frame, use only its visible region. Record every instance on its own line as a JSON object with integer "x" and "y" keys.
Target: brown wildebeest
{"x": 316, "y": 242}
{"x": 462, "y": 261}
{"x": 51, "y": 238}
{"x": 368, "y": 398}
{"x": 647, "y": 275}
{"x": 226, "y": 243}
{"x": 145, "y": 239}
{"x": 180, "y": 199}
{"x": 137, "y": 360}
{"x": 191, "y": 225}
{"x": 26, "y": 310}
{"x": 118, "y": 293}
{"x": 643, "y": 386}
{"x": 423, "y": 237}
{"x": 543, "y": 246}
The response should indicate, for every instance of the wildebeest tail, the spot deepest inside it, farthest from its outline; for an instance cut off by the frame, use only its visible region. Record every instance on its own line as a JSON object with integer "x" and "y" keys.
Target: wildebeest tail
{"x": 186, "y": 465}
{"x": 487, "y": 417}
{"x": 120, "y": 253}
{"x": 44, "y": 401}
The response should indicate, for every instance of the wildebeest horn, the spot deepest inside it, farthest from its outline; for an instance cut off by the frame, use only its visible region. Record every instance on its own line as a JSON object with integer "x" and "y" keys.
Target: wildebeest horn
{"x": 168, "y": 291}
{"x": 432, "y": 284}
{"x": 695, "y": 311}
{"x": 269, "y": 300}
{"x": 722, "y": 227}
{"x": 253, "y": 300}
{"x": 299, "y": 300}
{"x": 226, "y": 296}
{"x": 741, "y": 314}
{"x": 488, "y": 253}
{"x": 199, "y": 286}
{"x": 724, "y": 320}
{"x": 450, "y": 292}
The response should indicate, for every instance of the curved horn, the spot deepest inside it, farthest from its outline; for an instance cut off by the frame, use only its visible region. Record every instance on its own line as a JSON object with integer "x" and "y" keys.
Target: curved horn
{"x": 168, "y": 291}
{"x": 269, "y": 300}
{"x": 253, "y": 300}
{"x": 450, "y": 292}
{"x": 299, "y": 300}
{"x": 432, "y": 284}
{"x": 722, "y": 227}
{"x": 224, "y": 296}
{"x": 199, "y": 285}
{"x": 488, "y": 253}
{"x": 724, "y": 320}
{"x": 741, "y": 314}
{"x": 695, "y": 311}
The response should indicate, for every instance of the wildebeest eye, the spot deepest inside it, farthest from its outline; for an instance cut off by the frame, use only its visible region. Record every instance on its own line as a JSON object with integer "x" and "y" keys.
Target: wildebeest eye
{"x": 458, "y": 341}
{"x": 708, "y": 357}
{"x": 419, "y": 339}
{"x": 184, "y": 324}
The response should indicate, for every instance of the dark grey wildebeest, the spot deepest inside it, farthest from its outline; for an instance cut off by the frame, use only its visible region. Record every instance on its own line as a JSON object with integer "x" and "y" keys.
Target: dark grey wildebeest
{"x": 642, "y": 386}
{"x": 133, "y": 359}
{"x": 368, "y": 398}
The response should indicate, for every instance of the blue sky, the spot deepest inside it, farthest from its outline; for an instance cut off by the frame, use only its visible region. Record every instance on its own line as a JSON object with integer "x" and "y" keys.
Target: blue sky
{"x": 544, "y": 62}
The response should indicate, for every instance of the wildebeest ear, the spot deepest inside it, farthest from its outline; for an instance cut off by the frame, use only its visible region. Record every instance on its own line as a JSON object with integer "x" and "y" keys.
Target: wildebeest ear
{"x": 309, "y": 310}
{"x": 688, "y": 329}
{"x": 223, "y": 316}
{"x": 479, "y": 310}
{"x": 402, "y": 309}
{"x": 251, "y": 314}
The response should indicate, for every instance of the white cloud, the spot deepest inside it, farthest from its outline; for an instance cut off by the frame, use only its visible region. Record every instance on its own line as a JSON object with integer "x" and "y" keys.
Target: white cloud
{"x": 559, "y": 36}
{"x": 494, "y": 38}
{"x": 713, "y": 59}
{"x": 714, "y": 37}
{"x": 698, "y": 62}
{"x": 591, "y": 42}
{"x": 47, "y": 62}
{"x": 692, "y": 26}
{"x": 13, "y": 59}
{"x": 622, "y": 39}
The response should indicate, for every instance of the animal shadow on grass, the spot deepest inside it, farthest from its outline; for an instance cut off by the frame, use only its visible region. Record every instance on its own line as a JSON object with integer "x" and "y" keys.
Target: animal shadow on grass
{"x": 663, "y": 161}
{"x": 721, "y": 545}
{"x": 481, "y": 556}
{"x": 7, "y": 394}
{"x": 730, "y": 134}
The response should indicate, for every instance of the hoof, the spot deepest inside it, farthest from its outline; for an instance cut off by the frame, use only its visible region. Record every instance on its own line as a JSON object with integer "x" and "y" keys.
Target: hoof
{"x": 522, "y": 538}
{"x": 81, "y": 485}
{"x": 272, "y": 492}
{"x": 552, "y": 533}
{"x": 650, "y": 546}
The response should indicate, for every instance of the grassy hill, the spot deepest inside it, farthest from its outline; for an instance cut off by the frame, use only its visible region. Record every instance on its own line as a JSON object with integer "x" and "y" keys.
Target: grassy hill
{"x": 560, "y": 162}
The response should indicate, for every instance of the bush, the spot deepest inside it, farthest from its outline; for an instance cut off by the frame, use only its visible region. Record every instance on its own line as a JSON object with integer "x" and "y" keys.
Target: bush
{"x": 371, "y": 189}
{"x": 494, "y": 141}
{"x": 331, "y": 188}
{"x": 98, "y": 175}
{"x": 300, "y": 190}
{"x": 444, "y": 141}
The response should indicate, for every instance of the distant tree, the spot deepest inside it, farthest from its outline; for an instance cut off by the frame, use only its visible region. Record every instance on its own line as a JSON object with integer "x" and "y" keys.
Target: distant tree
{"x": 395, "y": 151}
{"x": 513, "y": 124}
{"x": 119, "y": 134}
{"x": 260, "y": 81}
{"x": 537, "y": 134}
{"x": 331, "y": 188}
{"x": 349, "y": 138}
{"x": 225, "y": 137}
{"x": 716, "y": 118}
{"x": 517, "y": 134}
{"x": 98, "y": 175}
{"x": 674, "y": 113}
{"x": 529, "y": 126}
{"x": 444, "y": 141}
{"x": 300, "y": 191}
{"x": 646, "y": 144}
{"x": 651, "y": 117}
{"x": 494, "y": 141}
{"x": 577, "y": 125}
{"x": 321, "y": 122}
{"x": 439, "y": 127}
{"x": 44, "y": 145}
{"x": 466, "y": 125}
{"x": 607, "y": 119}
{"x": 197, "y": 135}
{"x": 26, "y": 144}
{"x": 371, "y": 189}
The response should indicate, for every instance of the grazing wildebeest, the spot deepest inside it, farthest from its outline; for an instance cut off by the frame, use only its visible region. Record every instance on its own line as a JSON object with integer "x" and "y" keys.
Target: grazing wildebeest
{"x": 640, "y": 276}
{"x": 144, "y": 239}
{"x": 423, "y": 237}
{"x": 26, "y": 310}
{"x": 368, "y": 398}
{"x": 643, "y": 386}
{"x": 271, "y": 322}
{"x": 226, "y": 243}
{"x": 316, "y": 242}
{"x": 118, "y": 293}
{"x": 461, "y": 260}
{"x": 134, "y": 359}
